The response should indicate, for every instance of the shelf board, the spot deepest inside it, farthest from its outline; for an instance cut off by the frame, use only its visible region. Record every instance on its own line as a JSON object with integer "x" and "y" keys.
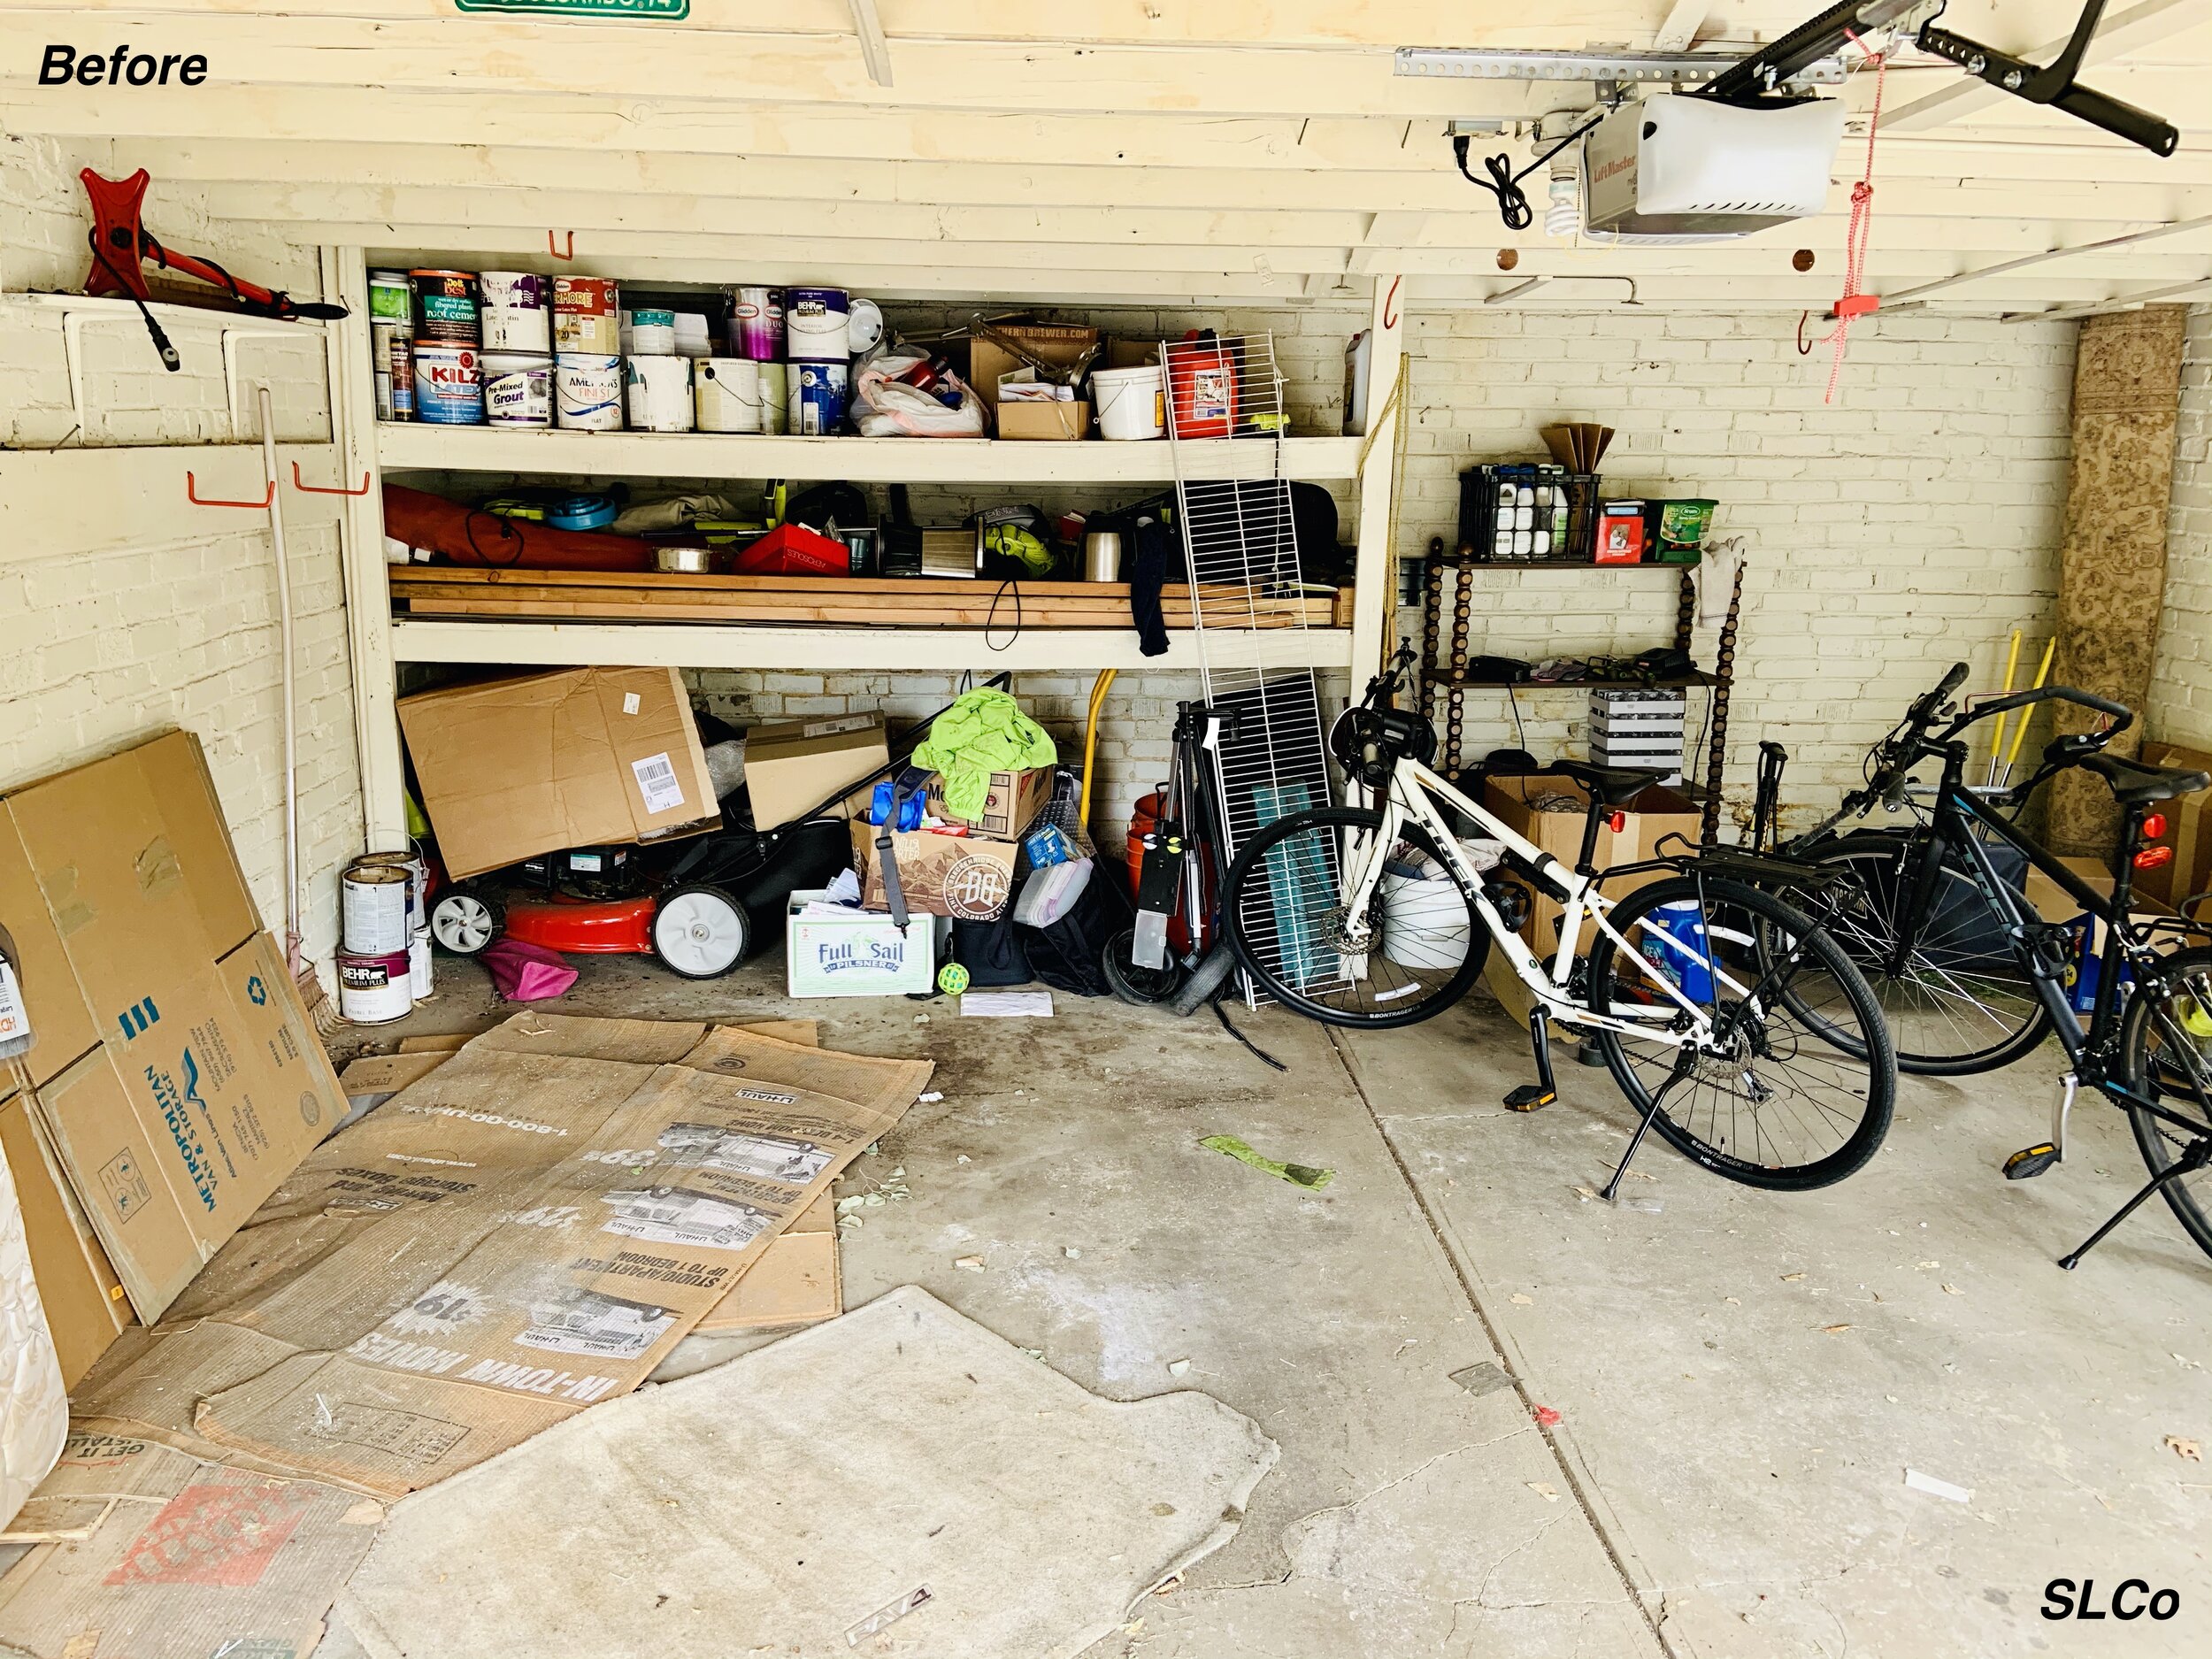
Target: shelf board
{"x": 1468, "y": 683}
{"x": 420, "y": 446}
{"x": 1469, "y": 562}
{"x": 744, "y": 645}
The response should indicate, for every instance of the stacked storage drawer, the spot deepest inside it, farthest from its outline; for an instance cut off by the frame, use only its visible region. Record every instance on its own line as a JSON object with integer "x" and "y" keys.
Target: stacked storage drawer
{"x": 1639, "y": 728}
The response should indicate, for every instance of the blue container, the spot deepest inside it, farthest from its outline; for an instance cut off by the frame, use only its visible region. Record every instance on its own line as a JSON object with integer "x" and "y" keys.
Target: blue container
{"x": 581, "y": 512}
{"x": 818, "y": 395}
{"x": 1681, "y": 924}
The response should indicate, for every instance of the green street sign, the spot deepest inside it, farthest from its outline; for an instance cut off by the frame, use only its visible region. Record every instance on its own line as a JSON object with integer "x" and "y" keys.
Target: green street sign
{"x": 676, "y": 9}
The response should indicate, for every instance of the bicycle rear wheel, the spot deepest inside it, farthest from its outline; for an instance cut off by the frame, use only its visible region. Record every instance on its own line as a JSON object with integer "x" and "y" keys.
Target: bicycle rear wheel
{"x": 2166, "y": 1054}
{"x": 1772, "y": 1099}
{"x": 1959, "y": 1003}
{"x": 1412, "y": 955}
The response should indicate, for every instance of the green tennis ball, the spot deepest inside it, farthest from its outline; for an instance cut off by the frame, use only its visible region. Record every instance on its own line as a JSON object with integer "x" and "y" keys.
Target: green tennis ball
{"x": 952, "y": 978}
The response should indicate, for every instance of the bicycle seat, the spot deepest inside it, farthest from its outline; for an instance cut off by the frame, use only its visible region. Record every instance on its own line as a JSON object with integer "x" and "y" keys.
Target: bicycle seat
{"x": 1607, "y": 784}
{"x": 2135, "y": 784}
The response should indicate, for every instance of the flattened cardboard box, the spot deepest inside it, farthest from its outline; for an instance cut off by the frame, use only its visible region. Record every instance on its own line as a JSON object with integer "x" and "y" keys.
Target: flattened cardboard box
{"x": 513, "y": 768}
{"x": 85, "y": 1303}
{"x": 520, "y": 1234}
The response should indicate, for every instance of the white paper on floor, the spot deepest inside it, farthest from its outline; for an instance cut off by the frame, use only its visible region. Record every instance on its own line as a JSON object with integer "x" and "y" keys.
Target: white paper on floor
{"x": 900, "y": 1469}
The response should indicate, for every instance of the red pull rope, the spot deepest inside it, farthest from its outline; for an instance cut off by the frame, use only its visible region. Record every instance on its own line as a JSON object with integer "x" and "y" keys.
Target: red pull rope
{"x": 1855, "y": 303}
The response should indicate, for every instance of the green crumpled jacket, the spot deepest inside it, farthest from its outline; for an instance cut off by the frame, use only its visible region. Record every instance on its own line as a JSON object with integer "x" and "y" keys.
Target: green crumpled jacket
{"x": 983, "y": 732}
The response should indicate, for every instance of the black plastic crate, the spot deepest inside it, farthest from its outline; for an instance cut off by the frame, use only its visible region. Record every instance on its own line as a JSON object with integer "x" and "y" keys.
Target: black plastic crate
{"x": 1549, "y": 508}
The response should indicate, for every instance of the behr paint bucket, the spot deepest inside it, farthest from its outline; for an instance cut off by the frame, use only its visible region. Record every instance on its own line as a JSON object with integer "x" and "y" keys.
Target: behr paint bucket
{"x": 448, "y": 385}
{"x": 725, "y": 392}
{"x": 445, "y": 307}
{"x": 775, "y": 411}
{"x": 587, "y": 393}
{"x": 586, "y": 317}
{"x": 517, "y": 390}
{"x": 650, "y": 333}
{"x": 817, "y": 325}
{"x": 757, "y": 324}
{"x": 421, "y": 982}
{"x": 518, "y": 312}
{"x": 818, "y": 391}
{"x": 375, "y": 990}
{"x": 375, "y": 906}
{"x": 660, "y": 393}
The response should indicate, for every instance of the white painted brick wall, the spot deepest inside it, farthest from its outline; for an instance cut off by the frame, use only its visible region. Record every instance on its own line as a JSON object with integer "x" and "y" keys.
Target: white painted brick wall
{"x": 2181, "y": 675}
{"x": 106, "y": 647}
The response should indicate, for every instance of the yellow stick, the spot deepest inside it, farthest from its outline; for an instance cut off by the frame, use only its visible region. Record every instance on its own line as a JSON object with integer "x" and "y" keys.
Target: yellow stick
{"x": 1997, "y": 731}
{"x": 2042, "y": 674}
{"x": 1099, "y": 688}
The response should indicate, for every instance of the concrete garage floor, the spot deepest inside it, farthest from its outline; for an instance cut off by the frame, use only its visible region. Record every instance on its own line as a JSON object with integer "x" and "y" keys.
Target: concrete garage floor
{"x": 1727, "y": 1474}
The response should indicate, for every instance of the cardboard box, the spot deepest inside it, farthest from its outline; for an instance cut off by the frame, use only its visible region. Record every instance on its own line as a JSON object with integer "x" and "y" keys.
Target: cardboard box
{"x": 858, "y": 954}
{"x": 1056, "y": 344}
{"x": 1010, "y": 808}
{"x": 792, "y": 768}
{"x": 2188, "y": 830}
{"x": 1652, "y": 815}
{"x": 513, "y": 768}
{"x": 970, "y": 877}
{"x": 85, "y": 1303}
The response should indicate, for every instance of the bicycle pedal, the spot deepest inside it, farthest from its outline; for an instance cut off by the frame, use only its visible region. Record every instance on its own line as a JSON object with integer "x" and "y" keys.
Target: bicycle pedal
{"x": 1530, "y": 1097}
{"x": 2030, "y": 1161}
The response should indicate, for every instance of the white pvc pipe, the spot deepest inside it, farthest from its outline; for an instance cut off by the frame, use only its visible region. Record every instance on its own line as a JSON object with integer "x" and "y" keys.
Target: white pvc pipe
{"x": 291, "y": 733}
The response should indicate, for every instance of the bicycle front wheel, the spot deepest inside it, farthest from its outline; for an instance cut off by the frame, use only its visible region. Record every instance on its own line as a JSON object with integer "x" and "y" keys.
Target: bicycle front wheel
{"x": 1959, "y": 1003}
{"x": 2166, "y": 1055}
{"x": 1770, "y": 1097}
{"x": 1413, "y": 952}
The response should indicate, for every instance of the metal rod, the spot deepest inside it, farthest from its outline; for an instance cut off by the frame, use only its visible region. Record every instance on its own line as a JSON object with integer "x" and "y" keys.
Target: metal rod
{"x": 2177, "y": 227}
{"x": 292, "y": 961}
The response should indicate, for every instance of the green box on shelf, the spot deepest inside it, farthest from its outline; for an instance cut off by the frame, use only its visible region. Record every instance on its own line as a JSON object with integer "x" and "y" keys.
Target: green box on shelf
{"x": 1676, "y": 529}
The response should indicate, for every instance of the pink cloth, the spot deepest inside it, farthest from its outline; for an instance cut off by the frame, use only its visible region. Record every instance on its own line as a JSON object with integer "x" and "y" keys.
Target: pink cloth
{"x": 525, "y": 972}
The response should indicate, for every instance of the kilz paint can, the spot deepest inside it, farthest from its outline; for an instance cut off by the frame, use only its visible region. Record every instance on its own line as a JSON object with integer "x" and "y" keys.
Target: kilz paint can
{"x": 448, "y": 385}
{"x": 725, "y": 392}
{"x": 817, "y": 325}
{"x": 518, "y": 312}
{"x": 660, "y": 393}
{"x": 650, "y": 333}
{"x": 587, "y": 393}
{"x": 421, "y": 983}
{"x": 376, "y": 902}
{"x": 819, "y": 393}
{"x": 401, "y": 371}
{"x": 374, "y": 990}
{"x": 775, "y": 393}
{"x": 586, "y": 317}
{"x": 445, "y": 307}
{"x": 517, "y": 390}
{"x": 757, "y": 324}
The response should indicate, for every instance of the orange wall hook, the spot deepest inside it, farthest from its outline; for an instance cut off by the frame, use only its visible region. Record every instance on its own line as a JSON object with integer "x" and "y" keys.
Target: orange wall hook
{"x": 193, "y": 496}
{"x": 300, "y": 483}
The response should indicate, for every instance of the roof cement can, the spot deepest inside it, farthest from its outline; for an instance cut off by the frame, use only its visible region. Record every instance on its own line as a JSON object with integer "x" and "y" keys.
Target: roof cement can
{"x": 445, "y": 307}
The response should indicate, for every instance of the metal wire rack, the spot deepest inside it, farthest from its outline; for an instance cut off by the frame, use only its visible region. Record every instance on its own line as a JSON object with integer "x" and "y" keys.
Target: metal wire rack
{"x": 1225, "y": 425}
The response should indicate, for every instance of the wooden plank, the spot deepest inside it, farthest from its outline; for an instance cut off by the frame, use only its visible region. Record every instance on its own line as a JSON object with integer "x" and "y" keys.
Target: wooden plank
{"x": 831, "y": 611}
{"x": 905, "y": 587}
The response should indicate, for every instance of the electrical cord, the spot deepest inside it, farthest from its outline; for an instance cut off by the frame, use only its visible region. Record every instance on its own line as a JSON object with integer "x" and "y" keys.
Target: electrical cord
{"x": 1503, "y": 183}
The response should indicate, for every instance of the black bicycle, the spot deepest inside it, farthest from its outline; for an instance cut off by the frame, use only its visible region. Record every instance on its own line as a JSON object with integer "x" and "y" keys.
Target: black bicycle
{"x": 1970, "y": 977}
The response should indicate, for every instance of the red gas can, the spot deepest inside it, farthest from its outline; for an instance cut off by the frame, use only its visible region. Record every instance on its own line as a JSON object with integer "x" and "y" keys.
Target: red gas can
{"x": 1201, "y": 375}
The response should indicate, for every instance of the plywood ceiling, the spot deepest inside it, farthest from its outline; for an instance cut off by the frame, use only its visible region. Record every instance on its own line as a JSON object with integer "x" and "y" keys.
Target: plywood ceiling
{"x": 1251, "y": 149}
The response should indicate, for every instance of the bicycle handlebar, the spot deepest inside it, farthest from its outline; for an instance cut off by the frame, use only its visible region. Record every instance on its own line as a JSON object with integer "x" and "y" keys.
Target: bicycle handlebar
{"x": 2118, "y": 711}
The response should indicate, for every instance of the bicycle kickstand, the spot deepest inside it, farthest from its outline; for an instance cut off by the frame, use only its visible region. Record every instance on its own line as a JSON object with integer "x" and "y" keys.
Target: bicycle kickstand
{"x": 2196, "y": 1157}
{"x": 1612, "y": 1193}
{"x": 1534, "y": 1096}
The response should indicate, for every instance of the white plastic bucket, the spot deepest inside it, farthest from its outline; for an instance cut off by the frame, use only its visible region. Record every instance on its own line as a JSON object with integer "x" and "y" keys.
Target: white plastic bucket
{"x": 1132, "y": 402}
{"x": 1425, "y": 923}
{"x": 725, "y": 391}
{"x": 517, "y": 390}
{"x": 587, "y": 393}
{"x": 375, "y": 903}
{"x": 660, "y": 393}
{"x": 518, "y": 312}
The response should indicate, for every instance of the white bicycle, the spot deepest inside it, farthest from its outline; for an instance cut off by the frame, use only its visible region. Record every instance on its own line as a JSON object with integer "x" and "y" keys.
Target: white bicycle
{"x": 1729, "y": 1018}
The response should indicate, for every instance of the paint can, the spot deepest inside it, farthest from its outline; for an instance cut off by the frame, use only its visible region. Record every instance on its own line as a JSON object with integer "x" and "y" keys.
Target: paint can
{"x": 421, "y": 982}
{"x": 817, "y": 325}
{"x": 757, "y": 324}
{"x": 391, "y": 300}
{"x": 445, "y": 307}
{"x": 727, "y": 395}
{"x": 660, "y": 393}
{"x": 375, "y": 906}
{"x": 819, "y": 394}
{"x": 649, "y": 332}
{"x": 417, "y": 878}
{"x": 517, "y": 390}
{"x": 588, "y": 392}
{"x": 401, "y": 370}
{"x": 374, "y": 990}
{"x": 775, "y": 413}
{"x": 518, "y": 312}
{"x": 864, "y": 326}
{"x": 586, "y": 317}
{"x": 448, "y": 385}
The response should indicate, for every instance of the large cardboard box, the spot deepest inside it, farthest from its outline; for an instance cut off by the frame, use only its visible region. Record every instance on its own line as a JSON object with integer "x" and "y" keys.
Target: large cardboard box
{"x": 86, "y": 1307}
{"x": 1652, "y": 815}
{"x": 203, "y": 1085}
{"x": 1009, "y": 807}
{"x": 2188, "y": 830}
{"x": 1054, "y": 343}
{"x": 580, "y": 757}
{"x": 969, "y": 877}
{"x": 793, "y": 767}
